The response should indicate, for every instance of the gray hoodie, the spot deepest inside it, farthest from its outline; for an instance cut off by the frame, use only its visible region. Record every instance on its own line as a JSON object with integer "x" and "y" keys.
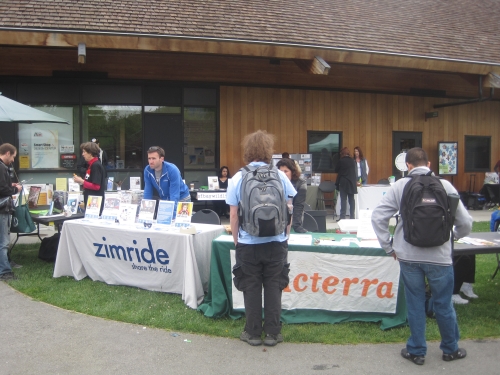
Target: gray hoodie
{"x": 389, "y": 205}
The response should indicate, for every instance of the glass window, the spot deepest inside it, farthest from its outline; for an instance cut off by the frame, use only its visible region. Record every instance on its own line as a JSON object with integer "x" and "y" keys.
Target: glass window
{"x": 49, "y": 145}
{"x": 477, "y": 153}
{"x": 162, "y": 109}
{"x": 199, "y": 138}
{"x": 119, "y": 130}
{"x": 325, "y": 149}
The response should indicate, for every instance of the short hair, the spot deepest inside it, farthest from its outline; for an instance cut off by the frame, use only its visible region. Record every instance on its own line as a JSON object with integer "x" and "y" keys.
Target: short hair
{"x": 221, "y": 169}
{"x": 290, "y": 164}
{"x": 417, "y": 157}
{"x": 91, "y": 148}
{"x": 7, "y": 147}
{"x": 344, "y": 152}
{"x": 361, "y": 156}
{"x": 258, "y": 146}
{"x": 158, "y": 149}
{"x": 285, "y": 155}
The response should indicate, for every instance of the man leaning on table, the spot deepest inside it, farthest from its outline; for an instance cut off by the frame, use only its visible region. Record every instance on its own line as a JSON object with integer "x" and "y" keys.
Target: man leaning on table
{"x": 165, "y": 178}
{"x": 261, "y": 262}
{"x": 420, "y": 263}
{"x": 7, "y": 188}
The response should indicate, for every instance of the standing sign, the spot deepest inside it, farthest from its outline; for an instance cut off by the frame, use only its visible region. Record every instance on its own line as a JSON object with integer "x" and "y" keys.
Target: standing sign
{"x": 448, "y": 158}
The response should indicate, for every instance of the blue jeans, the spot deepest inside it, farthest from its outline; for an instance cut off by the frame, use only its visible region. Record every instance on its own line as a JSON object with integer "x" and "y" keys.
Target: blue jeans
{"x": 440, "y": 279}
{"x": 4, "y": 244}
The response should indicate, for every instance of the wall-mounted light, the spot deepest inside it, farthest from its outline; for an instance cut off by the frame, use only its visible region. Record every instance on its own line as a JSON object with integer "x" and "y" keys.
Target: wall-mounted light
{"x": 82, "y": 53}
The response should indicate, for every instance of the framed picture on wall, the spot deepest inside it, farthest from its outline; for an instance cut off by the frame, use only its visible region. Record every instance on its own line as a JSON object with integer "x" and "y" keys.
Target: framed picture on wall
{"x": 448, "y": 158}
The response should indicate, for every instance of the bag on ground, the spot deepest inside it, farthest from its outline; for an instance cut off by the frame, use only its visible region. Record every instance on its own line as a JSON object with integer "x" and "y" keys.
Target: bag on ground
{"x": 425, "y": 211}
{"x": 262, "y": 210}
{"x": 48, "y": 248}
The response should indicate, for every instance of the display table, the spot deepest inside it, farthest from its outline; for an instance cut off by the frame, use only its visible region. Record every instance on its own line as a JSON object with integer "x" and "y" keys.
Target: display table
{"x": 368, "y": 197}
{"x": 328, "y": 284}
{"x": 466, "y": 249}
{"x": 145, "y": 258}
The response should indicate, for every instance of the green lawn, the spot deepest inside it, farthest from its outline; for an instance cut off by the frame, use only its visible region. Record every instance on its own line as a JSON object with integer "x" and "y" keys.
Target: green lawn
{"x": 478, "y": 320}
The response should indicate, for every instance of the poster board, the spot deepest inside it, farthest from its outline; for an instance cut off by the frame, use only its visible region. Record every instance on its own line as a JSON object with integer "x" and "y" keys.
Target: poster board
{"x": 448, "y": 158}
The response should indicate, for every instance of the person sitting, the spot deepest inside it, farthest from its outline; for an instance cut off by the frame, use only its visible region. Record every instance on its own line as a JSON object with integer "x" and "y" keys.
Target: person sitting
{"x": 221, "y": 207}
{"x": 288, "y": 167}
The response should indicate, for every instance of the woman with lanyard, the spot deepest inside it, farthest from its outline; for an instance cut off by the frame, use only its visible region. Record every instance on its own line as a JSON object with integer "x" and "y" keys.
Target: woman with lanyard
{"x": 95, "y": 180}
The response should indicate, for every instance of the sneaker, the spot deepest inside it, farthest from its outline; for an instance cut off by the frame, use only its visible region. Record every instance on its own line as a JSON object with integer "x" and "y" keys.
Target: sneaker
{"x": 271, "y": 340}
{"x": 459, "y": 300}
{"x": 8, "y": 276}
{"x": 466, "y": 289}
{"x": 459, "y": 354}
{"x": 14, "y": 264}
{"x": 418, "y": 360}
{"x": 252, "y": 340}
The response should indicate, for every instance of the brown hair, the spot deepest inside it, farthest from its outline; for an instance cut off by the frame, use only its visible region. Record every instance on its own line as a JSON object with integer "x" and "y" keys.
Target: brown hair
{"x": 417, "y": 157}
{"x": 7, "y": 147}
{"x": 344, "y": 152}
{"x": 361, "y": 156}
{"x": 158, "y": 149}
{"x": 258, "y": 146}
{"x": 290, "y": 164}
{"x": 91, "y": 148}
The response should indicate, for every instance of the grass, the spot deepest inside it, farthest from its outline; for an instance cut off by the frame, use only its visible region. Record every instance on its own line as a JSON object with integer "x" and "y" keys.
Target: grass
{"x": 479, "y": 319}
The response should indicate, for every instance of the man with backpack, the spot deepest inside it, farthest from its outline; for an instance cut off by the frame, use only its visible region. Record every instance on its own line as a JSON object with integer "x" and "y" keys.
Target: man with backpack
{"x": 422, "y": 244}
{"x": 257, "y": 196}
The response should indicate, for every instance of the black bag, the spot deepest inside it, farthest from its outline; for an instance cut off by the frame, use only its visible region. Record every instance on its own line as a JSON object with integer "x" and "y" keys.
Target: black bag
{"x": 48, "y": 248}
{"x": 425, "y": 211}
{"x": 262, "y": 210}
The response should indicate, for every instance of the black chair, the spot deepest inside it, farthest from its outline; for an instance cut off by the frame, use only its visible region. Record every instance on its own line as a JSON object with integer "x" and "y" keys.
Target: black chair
{"x": 326, "y": 187}
{"x": 383, "y": 181}
{"x": 309, "y": 223}
{"x": 307, "y": 207}
{"x": 205, "y": 216}
{"x": 492, "y": 195}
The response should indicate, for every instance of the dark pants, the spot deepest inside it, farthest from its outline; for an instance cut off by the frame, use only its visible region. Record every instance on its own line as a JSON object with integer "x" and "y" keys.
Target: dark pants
{"x": 464, "y": 268}
{"x": 343, "y": 208}
{"x": 257, "y": 266}
{"x": 221, "y": 207}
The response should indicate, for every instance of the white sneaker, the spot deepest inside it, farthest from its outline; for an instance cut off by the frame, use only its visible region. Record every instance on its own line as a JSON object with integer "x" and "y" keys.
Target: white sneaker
{"x": 466, "y": 289}
{"x": 459, "y": 300}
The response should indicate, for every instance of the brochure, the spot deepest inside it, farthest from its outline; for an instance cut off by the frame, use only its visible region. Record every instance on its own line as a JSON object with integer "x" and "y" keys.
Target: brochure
{"x": 147, "y": 211}
{"x": 33, "y": 196}
{"x": 365, "y": 228}
{"x": 135, "y": 183}
{"x": 110, "y": 183}
{"x": 111, "y": 206}
{"x": 213, "y": 183}
{"x": 128, "y": 213}
{"x": 72, "y": 185}
{"x": 93, "y": 207}
{"x": 73, "y": 200}
{"x": 183, "y": 217}
{"x": 165, "y": 212}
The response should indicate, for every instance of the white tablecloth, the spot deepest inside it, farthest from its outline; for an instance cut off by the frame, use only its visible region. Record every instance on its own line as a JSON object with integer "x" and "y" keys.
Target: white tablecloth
{"x": 368, "y": 197}
{"x": 144, "y": 258}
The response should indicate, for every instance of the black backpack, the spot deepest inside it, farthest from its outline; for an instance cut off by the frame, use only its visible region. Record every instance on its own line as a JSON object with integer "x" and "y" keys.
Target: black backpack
{"x": 425, "y": 211}
{"x": 262, "y": 210}
{"x": 48, "y": 248}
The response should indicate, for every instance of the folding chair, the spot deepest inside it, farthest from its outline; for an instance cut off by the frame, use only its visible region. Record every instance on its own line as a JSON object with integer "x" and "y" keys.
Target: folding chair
{"x": 309, "y": 223}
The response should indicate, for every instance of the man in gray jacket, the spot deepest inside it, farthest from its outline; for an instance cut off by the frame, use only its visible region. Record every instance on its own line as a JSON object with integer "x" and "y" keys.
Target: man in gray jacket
{"x": 419, "y": 263}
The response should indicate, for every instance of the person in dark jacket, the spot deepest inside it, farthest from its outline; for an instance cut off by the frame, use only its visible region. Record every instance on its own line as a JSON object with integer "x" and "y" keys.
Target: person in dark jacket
{"x": 7, "y": 188}
{"x": 222, "y": 208}
{"x": 289, "y": 167}
{"x": 346, "y": 182}
{"x": 362, "y": 168}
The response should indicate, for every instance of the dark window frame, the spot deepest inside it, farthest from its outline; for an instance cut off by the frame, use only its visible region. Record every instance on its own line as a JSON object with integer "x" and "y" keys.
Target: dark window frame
{"x": 477, "y": 153}
{"x": 316, "y": 156}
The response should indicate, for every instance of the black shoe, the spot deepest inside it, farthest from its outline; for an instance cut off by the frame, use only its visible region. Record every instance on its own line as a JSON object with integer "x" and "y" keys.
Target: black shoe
{"x": 8, "y": 276}
{"x": 414, "y": 358}
{"x": 252, "y": 340}
{"x": 272, "y": 340}
{"x": 459, "y": 354}
{"x": 14, "y": 264}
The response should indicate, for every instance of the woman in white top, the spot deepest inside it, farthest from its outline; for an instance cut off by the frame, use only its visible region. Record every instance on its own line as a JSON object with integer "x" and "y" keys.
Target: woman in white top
{"x": 362, "y": 168}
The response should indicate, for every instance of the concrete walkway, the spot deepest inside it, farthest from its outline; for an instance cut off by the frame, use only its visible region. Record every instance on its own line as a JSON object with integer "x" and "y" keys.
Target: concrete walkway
{"x": 41, "y": 339}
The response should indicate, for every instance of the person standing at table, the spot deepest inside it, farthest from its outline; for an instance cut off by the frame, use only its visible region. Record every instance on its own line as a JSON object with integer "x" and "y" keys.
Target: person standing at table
{"x": 420, "y": 263}
{"x": 346, "y": 182}
{"x": 288, "y": 167}
{"x": 362, "y": 168}
{"x": 260, "y": 261}
{"x": 95, "y": 180}
{"x": 221, "y": 207}
{"x": 165, "y": 178}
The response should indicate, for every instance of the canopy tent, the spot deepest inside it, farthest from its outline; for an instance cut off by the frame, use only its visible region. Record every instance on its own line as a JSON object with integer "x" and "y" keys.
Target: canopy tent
{"x": 12, "y": 111}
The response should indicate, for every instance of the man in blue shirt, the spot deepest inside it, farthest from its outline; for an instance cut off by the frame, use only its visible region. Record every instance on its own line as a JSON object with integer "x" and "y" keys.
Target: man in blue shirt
{"x": 260, "y": 261}
{"x": 165, "y": 178}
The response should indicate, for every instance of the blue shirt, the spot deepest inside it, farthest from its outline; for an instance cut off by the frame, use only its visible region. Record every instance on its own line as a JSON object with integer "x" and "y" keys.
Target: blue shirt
{"x": 233, "y": 198}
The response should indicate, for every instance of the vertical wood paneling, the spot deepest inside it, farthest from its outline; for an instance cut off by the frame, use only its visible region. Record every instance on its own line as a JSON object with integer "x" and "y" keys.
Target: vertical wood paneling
{"x": 366, "y": 120}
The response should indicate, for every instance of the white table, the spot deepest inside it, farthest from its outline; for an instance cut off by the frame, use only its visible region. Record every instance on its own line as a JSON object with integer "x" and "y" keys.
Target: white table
{"x": 368, "y": 197}
{"x": 145, "y": 258}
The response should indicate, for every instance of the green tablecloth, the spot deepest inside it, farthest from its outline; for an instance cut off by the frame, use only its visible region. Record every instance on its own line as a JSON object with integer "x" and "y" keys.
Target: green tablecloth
{"x": 218, "y": 301}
